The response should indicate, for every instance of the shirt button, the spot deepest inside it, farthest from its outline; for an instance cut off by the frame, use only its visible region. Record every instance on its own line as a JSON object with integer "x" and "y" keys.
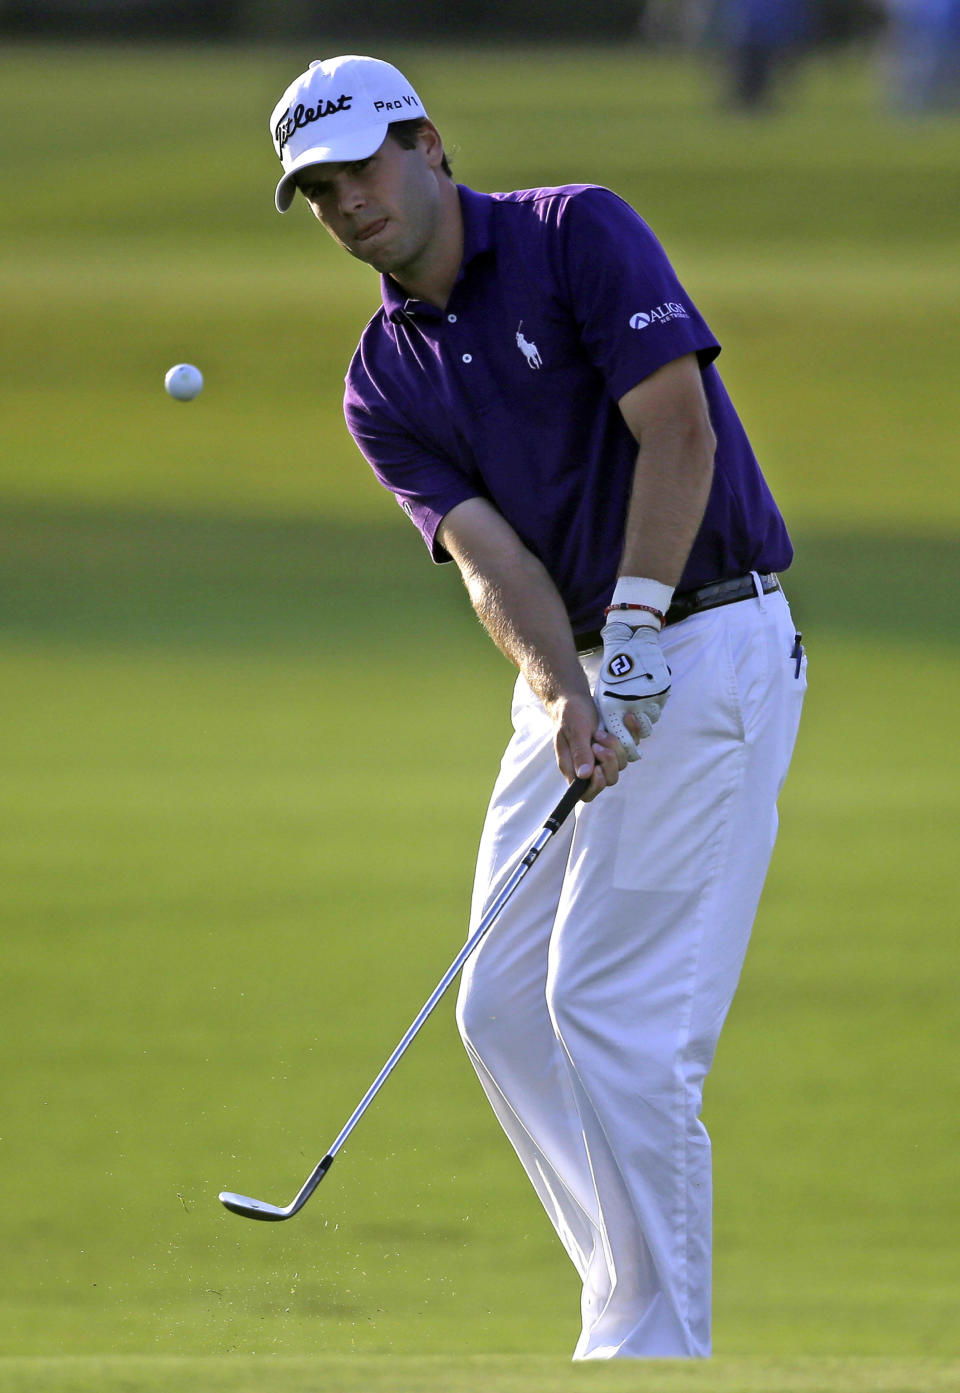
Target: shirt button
{"x": 467, "y": 358}
{"x": 451, "y": 319}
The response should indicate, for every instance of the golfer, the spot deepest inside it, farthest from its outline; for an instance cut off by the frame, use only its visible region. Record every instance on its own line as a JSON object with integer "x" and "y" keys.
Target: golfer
{"x": 540, "y": 394}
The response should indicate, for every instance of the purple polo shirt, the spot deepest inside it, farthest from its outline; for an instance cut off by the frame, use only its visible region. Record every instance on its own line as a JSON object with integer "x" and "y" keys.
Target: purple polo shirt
{"x": 565, "y": 300}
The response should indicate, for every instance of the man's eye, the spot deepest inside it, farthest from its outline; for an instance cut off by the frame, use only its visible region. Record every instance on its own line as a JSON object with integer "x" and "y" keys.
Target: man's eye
{"x": 358, "y": 166}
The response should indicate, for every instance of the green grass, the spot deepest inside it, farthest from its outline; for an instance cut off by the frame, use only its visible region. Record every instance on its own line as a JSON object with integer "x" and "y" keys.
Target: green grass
{"x": 821, "y": 245}
{"x": 433, "y": 1374}
{"x": 228, "y": 888}
{"x": 227, "y": 913}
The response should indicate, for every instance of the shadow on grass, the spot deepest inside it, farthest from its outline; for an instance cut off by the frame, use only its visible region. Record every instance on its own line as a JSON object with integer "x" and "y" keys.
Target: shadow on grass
{"x": 133, "y": 578}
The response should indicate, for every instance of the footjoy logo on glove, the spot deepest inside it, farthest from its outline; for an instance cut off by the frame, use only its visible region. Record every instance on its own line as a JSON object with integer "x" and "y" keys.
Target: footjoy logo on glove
{"x": 661, "y": 315}
{"x": 620, "y": 665}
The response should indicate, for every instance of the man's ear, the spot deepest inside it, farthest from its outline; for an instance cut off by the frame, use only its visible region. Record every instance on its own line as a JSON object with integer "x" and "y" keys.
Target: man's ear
{"x": 431, "y": 143}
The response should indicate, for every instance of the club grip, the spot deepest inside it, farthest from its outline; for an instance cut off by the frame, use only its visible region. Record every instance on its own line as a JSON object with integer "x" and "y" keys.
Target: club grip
{"x": 567, "y": 804}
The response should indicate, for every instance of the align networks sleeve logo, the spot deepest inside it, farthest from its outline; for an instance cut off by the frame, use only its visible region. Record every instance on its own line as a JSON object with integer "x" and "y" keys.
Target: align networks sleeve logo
{"x": 661, "y": 314}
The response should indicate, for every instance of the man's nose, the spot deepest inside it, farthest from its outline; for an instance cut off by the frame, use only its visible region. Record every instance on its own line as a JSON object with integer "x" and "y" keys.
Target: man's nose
{"x": 350, "y": 196}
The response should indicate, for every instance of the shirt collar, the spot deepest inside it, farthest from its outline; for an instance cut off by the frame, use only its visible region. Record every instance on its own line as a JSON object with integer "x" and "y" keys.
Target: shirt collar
{"x": 477, "y": 211}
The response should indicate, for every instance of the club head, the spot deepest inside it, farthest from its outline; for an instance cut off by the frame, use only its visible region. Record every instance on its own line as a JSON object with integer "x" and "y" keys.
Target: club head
{"x": 260, "y": 1209}
{"x": 254, "y": 1209}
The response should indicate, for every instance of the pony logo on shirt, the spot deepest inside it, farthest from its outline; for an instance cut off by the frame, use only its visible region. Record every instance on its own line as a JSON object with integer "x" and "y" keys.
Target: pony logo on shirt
{"x": 529, "y": 350}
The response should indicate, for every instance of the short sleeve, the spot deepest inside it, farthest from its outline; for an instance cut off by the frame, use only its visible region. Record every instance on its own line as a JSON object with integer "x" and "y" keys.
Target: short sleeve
{"x": 425, "y": 484}
{"x": 633, "y": 314}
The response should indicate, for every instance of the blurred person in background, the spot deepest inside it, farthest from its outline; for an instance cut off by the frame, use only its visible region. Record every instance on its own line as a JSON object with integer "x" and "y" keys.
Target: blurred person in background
{"x": 924, "y": 54}
{"x": 758, "y": 40}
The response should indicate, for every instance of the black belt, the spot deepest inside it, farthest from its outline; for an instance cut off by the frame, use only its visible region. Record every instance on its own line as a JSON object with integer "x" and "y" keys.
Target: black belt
{"x": 687, "y": 602}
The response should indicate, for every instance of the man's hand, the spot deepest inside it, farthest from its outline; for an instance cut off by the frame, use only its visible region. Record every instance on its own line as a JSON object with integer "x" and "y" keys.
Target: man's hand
{"x": 633, "y": 685}
{"x": 584, "y": 748}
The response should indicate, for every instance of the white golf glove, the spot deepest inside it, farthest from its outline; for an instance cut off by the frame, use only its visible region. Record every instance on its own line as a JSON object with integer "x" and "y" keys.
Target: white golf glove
{"x": 633, "y": 677}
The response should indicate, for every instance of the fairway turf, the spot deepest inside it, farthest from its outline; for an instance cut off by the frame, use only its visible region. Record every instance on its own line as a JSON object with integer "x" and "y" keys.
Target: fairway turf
{"x": 475, "y": 1374}
{"x": 229, "y": 886}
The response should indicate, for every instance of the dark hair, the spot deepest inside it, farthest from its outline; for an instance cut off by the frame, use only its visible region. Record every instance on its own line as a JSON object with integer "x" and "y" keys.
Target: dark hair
{"x": 405, "y": 134}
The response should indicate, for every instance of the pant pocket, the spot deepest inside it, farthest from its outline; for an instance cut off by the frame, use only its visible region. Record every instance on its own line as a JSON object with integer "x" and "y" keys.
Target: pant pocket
{"x": 673, "y": 816}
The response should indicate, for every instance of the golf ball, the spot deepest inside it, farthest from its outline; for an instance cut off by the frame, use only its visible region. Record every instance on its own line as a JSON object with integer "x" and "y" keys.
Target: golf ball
{"x": 184, "y": 382}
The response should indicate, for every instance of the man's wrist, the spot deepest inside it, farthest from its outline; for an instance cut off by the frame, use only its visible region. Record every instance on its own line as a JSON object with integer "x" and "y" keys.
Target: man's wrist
{"x": 640, "y": 602}
{"x": 558, "y": 685}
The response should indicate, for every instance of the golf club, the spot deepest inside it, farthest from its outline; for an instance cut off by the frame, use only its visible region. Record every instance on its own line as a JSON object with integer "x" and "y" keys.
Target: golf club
{"x": 260, "y": 1209}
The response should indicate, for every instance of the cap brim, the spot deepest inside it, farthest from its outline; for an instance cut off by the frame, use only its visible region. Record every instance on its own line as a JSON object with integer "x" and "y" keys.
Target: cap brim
{"x": 358, "y": 145}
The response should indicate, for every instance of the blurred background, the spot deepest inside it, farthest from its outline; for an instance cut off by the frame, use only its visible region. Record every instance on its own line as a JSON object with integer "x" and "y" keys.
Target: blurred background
{"x": 229, "y": 884}
{"x": 755, "y": 40}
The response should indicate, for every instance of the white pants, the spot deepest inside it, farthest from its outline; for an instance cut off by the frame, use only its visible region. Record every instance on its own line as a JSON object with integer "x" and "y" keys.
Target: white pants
{"x": 592, "y": 1009}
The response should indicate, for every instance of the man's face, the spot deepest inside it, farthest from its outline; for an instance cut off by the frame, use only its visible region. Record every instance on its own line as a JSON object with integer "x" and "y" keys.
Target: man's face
{"x": 383, "y": 210}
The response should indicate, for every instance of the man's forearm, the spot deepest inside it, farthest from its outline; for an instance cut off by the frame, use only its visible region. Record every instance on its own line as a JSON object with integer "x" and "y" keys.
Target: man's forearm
{"x": 670, "y": 420}
{"x": 670, "y": 492}
{"x": 521, "y": 609}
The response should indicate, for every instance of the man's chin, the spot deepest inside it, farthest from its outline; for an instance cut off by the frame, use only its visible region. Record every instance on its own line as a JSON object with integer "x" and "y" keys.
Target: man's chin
{"x": 377, "y": 257}
{"x": 380, "y": 259}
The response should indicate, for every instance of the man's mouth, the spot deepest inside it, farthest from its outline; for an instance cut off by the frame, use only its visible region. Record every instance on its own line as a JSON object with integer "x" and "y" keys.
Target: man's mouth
{"x": 371, "y": 230}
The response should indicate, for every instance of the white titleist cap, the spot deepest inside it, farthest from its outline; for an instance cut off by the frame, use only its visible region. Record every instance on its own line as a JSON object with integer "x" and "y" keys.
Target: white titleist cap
{"x": 338, "y": 110}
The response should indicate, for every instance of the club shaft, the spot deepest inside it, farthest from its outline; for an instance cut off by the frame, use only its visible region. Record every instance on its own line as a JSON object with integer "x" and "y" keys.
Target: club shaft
{"x": 258, "y": 1209}
{"x": 570, "y": 799}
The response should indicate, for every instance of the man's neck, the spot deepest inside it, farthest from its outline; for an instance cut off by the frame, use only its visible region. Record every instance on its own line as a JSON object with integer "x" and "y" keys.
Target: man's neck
{"x": 433, "y": 276}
